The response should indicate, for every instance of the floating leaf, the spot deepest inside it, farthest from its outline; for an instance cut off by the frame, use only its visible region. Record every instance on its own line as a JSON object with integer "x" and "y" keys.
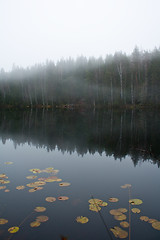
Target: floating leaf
{"x": 50, "y": 199}
{"x": 8, "y": 163}
{"x": 82, "y": 219}
{"x": 42, "y": 218}
{"x": 40, "y": 209}
{"x": 2, "y": 187}
{"x": 32, "y": 190}
{"x": 3, "y": 221}
{"x": 103, "y": 204}
{"x": 122, "y": 210}
{"x": 13, "y": 229}
{"x": 156, "y": 225}
{"x": 126, "y": 185}
{"x": 4, "y": 181}
{"x": 31, "y": 177}
{"x": 113, "y": 199}
{"x": 35, "y": 224}
{"x": 7, "y": 190}
{"x": 64, "y": 184}
{"x": 50, "y": 180}
{"x": 38, "y": 188}
{"x": 135, "y": 210}
{"x": 40, "y": 183}
{"x": 35, "y": 170}
{"x": 124, "y": 224}
{"x": 144, "y": 218}
{"x": 95, "y": 201}
{"x": 135, "y": 201}
{"x": 120, "y": 217}
{"x": 3, "y": 175}
{"x": 115, "y": 212}
{"x": 20, "y": 187}
{"x": 63, "y": 198}
{"x": 119, "y": 233}
{"x": 59, "y": 180}
{"x": 152, "y": 220}
{"x": 94, "y": 207}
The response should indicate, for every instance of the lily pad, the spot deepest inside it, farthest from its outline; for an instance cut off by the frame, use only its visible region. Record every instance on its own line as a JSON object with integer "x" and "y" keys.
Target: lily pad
{"x": 2, "y": 187}
{"x": 152, "y": 220}
{"x": 63, "y": 198}
{"x": 50, "y": 199}
{"x": 8, "y": 163}
{"x": 126, "y": 185}
{"x": 135, "y": 210}
{"x": 3, "y": 221}
{"x": 32, "y": 190}
{"x": 40, "y": 209}
{"x": 120, "y": 217}
{"x": 144, "y": 218}
{"x": 103, "y": 204}
{"x": 115, "y": 212}
{"x": 64, "y": 184}
{"x": 35, "y": 170}
{"x": 135, "y": 201}
{"x": 35, "y": 224}
{"x": 94, "y": 207}
{"x": 13, "y": 229}
{"x": 82, "y": 219}
{"x": 42, "y": 218}
{"x": 119, "y": 233}
{"x": 3, "y": 175}
{"x": 20, "y": 187}
{"x": 7, "y": 190}
{"x": 156, "y": 225}
{"x": 124, "y": 224}
{"x": 31, "y": 177}
{"x": 95, "y": 201}
{"x": 122, "y": 210}
{"x": 113, "y": 199}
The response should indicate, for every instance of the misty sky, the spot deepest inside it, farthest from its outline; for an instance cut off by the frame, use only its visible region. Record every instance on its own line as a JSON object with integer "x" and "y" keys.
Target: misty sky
{"x": 32, "y": 31}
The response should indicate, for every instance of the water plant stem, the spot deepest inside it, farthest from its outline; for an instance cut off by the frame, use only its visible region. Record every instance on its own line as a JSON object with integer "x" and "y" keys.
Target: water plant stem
{"x": 102, "y": 219}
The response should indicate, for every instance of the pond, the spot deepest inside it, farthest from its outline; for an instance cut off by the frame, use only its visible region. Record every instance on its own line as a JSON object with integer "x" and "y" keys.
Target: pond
{"x": 75, "y": 157}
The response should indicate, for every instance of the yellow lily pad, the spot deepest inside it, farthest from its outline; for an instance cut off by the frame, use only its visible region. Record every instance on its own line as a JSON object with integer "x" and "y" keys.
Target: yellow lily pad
{"x": 42, "y": 218}
{"x": 7, "y": 190}
{"x": 3, "y": 175}
{"x": 50, "y": 199}
{"x": 40, "y": 183}
{"x": 115, "y": 212}
{"x": 31, "y": 177}
{"x": 135, "y": 201}
{"x": 119, "y": 233}
{"x": 113, "y": 199}
{"x": 32, "y": 190}
{"x": 63, "y": 198}
{"x": 8, "y": 163}
{"x": 20, "y": 187}
{"x": 144, "y": 218}
{"x": 120, "y": 217}
{"x": 35, "y": 224}
{"x": 94, "y": 207}
{"x": 40, "y": 209}
{"x": 124, "y": 224}
{"x": 103, "y": 204}
{"x": 135, "y": 210}
{"x": 2, "y": 187}
{"x": 95, "y": 201}
{"x": 13, "y": 229}
{"x": 82, "y": 219}
{"x": 156, "y": 225}
{"x": 152, "y": 220}
{"x": 2, "y": 181}
{"x": 35, "y": 170}
{"x": 64, "y": 184}
{"x": 122, "y": 210}
{"x": 3, "y": 221}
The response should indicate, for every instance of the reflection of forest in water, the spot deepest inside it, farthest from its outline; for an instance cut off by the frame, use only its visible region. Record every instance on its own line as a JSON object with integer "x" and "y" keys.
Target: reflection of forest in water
{"x": 118, "y": 133}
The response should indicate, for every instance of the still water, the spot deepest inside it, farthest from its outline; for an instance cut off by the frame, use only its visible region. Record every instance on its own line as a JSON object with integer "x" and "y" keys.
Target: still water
{"x": 97, "y": 153}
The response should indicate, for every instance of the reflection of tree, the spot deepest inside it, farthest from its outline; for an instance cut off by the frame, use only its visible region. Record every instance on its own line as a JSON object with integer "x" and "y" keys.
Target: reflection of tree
{"x": 133, "y": 133}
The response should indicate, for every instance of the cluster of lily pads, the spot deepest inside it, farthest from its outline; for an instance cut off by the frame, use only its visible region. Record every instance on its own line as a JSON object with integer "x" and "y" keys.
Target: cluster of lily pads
{"x": 34, "y": 186}
{"x": 119, "y": 214}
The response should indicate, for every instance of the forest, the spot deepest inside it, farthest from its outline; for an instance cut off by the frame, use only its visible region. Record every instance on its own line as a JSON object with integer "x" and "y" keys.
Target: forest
{"x": 116, "y": 80}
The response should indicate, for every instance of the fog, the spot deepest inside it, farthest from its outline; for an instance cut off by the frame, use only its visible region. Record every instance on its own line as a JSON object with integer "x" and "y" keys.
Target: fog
{"x": 34, "y": 31}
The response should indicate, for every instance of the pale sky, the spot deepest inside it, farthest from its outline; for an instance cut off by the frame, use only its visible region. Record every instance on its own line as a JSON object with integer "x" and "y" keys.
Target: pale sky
{"x": 32, "y": 31}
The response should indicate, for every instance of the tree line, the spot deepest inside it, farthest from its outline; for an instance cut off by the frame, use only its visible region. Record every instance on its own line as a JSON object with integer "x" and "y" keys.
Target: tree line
{"x": 116, "y": 80}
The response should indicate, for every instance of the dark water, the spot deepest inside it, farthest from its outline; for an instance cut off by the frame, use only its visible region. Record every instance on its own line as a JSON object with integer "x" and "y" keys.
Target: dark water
{"x": 97, "y": 152}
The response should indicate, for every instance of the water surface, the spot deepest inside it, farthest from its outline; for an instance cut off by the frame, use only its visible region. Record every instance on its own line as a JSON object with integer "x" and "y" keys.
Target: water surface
{"x": 97, "y": 152}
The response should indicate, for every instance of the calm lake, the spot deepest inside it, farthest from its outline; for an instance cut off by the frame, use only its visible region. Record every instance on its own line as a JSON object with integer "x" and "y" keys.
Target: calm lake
{"x": 97, "y": 153}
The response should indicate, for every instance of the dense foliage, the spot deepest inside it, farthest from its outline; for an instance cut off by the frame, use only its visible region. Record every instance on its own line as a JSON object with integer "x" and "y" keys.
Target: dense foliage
{"x": 116, "y": 80}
